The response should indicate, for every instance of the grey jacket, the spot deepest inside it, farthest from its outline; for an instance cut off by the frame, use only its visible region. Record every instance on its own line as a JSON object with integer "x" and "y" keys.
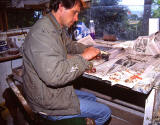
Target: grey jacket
{"x": 48, "y": 72}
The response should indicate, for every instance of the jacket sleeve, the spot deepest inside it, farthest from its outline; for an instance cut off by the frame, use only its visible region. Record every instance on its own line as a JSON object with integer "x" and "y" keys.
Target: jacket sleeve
{"x": 72, "y": 46}
{"x": 49, "y": 61}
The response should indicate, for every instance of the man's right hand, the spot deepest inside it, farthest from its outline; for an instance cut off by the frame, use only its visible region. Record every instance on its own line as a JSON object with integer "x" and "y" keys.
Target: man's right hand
{"x": 90, "y": 53}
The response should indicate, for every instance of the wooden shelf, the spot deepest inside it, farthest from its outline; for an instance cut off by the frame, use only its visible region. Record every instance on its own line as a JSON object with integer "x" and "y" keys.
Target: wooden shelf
{"x": 10, "y": 57}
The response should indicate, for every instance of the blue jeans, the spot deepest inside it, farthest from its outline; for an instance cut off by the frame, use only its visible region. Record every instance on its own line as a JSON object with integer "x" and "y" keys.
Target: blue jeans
{"x": 89, "y": 108}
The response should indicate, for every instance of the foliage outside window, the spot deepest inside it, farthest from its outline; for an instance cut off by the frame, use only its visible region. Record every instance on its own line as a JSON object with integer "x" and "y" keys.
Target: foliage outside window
{"x": 156, "y": 8}
{"x": 112, "y": 18}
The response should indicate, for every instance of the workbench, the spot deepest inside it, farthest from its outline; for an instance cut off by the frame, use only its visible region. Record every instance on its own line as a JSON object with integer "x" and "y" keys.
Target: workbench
{"x": 144, "y": 84}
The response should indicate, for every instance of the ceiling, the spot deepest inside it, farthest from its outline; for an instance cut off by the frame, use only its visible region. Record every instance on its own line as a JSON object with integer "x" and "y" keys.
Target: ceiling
{"x": 21, "y": 3}
{"x": 25, "y": 3}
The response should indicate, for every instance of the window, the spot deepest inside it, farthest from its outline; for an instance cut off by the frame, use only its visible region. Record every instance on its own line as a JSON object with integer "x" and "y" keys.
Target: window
{"x": 126, "y": 19}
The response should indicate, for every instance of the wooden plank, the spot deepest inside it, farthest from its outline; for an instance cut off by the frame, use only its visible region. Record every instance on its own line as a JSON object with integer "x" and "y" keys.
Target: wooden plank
{"x": 10, "y": 57}
{"x": 1, "y": 22}
{"x": 6, "y": 20}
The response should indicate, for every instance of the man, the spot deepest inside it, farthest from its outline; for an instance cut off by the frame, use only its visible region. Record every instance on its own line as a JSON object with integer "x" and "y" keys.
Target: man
{"x": 52, "y": 61}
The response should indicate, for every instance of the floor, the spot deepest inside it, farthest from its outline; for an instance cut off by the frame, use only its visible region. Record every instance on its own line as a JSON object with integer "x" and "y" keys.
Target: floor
{"x": 6, "y": 119}
{"x": 121, "y": 115}
{"x": 114, "y": 121}
{"x": 118, "y": 121}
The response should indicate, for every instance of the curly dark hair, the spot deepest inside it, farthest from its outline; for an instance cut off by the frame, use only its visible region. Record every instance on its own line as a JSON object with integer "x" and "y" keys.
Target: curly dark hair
{"x": 54, "y": 4}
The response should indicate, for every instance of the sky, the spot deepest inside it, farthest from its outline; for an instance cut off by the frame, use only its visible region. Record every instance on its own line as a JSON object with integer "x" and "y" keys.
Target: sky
{"x": 135, "y": 6}
{"x": 132, "y": 2}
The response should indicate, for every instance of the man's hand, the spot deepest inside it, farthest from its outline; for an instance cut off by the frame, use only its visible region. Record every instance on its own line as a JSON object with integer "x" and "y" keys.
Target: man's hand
{"x": 92, "y": 70}
{"x": 90, "y": 53}
{"x": 69, "y": 56}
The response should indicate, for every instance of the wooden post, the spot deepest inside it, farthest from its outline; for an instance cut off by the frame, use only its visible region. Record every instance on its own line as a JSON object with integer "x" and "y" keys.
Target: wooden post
{"x": 146, "y": 16}
{"x": 1, "y": 22}
{"x": 6, "y": 20}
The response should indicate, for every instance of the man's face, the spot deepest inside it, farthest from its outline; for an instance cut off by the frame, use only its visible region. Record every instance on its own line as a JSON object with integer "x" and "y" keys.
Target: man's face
{"x": 69, "y": 16}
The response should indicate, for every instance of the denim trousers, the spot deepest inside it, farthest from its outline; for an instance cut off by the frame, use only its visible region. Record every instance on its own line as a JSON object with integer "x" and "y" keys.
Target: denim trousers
{"x": 89, "y": 108}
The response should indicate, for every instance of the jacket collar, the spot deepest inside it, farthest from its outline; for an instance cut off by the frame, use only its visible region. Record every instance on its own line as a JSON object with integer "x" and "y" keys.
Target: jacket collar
{"x": 55, "y": 22}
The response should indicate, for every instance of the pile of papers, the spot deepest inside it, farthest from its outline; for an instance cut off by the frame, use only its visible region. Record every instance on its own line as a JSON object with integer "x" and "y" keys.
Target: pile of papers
{"x": 137, "y": 74}
{"x": 145, "y": 45}
{"x": 133, "y": 64}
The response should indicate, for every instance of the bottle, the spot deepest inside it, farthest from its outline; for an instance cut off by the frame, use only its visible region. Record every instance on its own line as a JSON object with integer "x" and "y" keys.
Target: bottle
{"x": 92, "y": 28}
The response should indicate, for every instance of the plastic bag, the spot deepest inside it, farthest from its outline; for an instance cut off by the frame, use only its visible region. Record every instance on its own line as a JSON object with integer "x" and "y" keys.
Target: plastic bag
{"x": 81, "y": 31}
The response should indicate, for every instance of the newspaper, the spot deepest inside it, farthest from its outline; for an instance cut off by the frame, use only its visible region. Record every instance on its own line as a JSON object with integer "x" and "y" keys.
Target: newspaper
{"x": 87, "y": 40}
{"x": 135, "y": 72}
{"x": 133, "y": 64}
{"x": 144, "y": 45}
{"x": 96, "y": 42}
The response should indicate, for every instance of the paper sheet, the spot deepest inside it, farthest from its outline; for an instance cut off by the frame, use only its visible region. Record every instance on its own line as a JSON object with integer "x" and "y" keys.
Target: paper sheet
{"x": 87, "y": 40}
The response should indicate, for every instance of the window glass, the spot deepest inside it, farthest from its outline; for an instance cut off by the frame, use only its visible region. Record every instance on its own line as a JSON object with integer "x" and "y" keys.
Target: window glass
{"x": 126, "y": 19}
